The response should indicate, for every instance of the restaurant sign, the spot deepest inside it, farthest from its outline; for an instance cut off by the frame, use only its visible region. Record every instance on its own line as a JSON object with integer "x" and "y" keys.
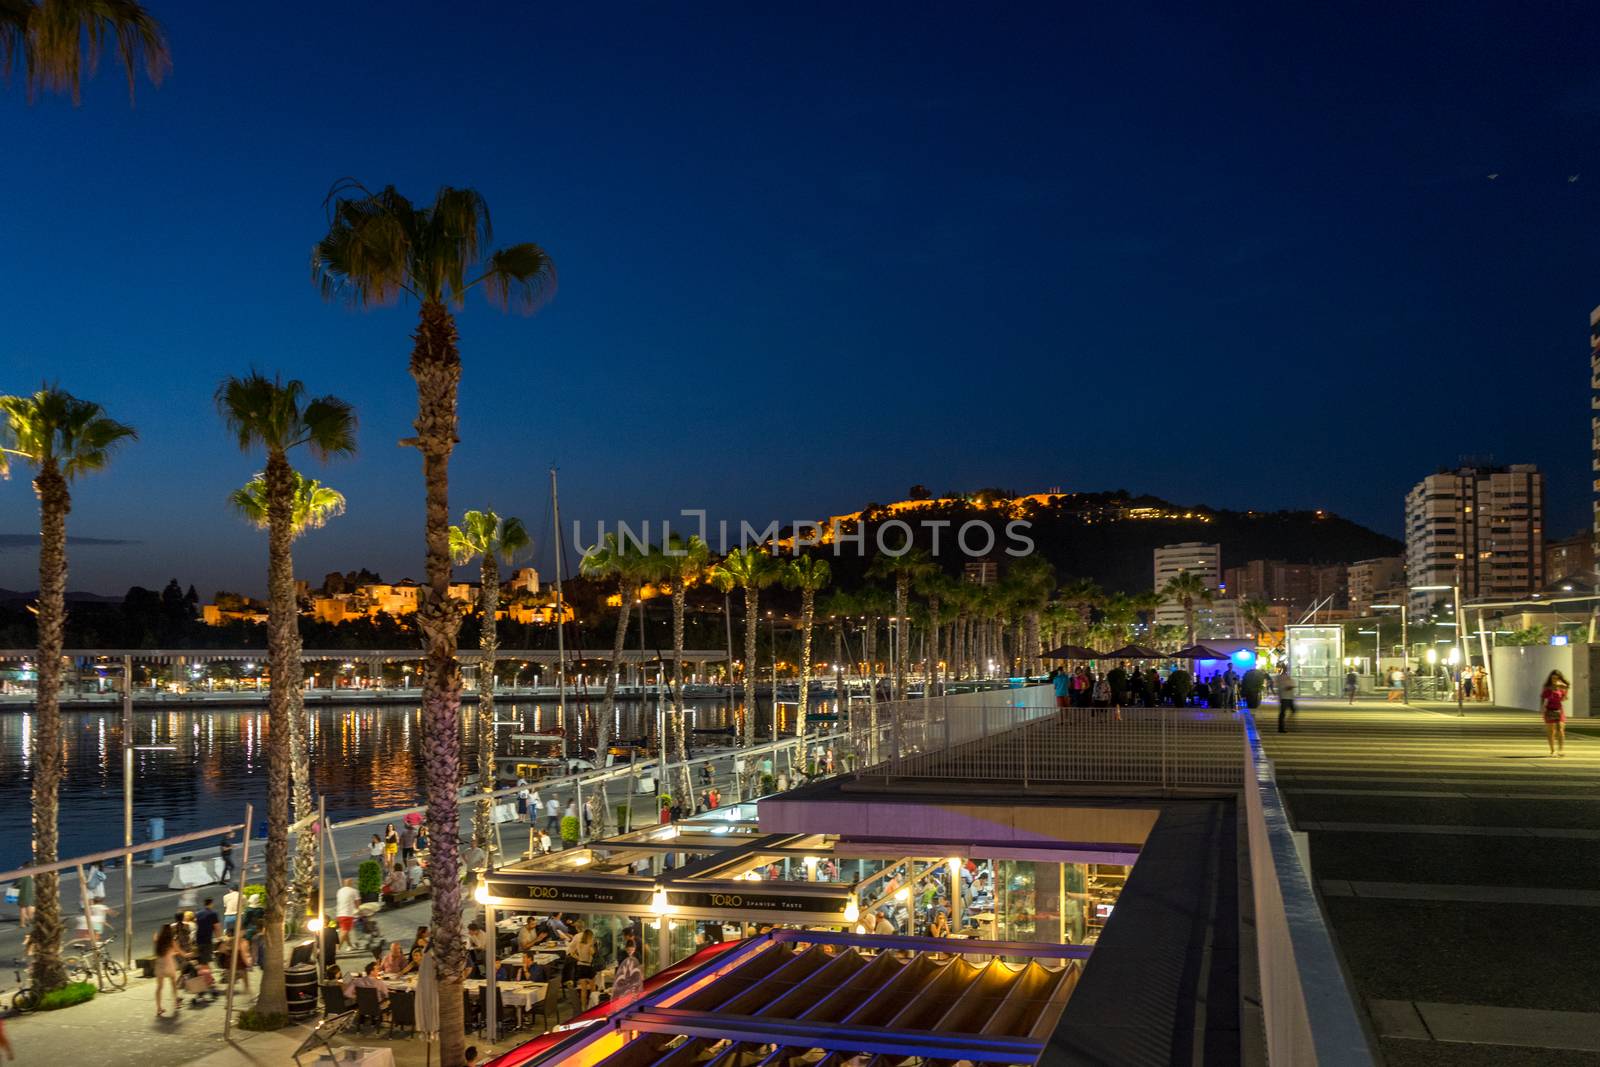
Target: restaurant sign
{"x": 547, "y": 893}
{"x": 744, "y": 900}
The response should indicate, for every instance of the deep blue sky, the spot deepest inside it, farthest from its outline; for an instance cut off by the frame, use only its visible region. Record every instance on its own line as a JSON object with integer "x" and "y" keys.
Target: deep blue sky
{"x": 810, "y": 258}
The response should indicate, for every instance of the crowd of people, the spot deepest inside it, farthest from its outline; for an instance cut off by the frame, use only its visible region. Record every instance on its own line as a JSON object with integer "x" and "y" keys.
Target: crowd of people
{"x": 1128, "y": 685}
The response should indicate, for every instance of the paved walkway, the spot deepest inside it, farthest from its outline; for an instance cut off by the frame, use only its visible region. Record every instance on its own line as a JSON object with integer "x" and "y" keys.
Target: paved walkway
{"x": 1459, "y": 865}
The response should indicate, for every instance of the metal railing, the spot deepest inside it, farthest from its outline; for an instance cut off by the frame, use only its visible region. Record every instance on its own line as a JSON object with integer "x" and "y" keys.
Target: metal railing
{"x": 1019, "y": 735}
{"x": 1309, "y": 1014}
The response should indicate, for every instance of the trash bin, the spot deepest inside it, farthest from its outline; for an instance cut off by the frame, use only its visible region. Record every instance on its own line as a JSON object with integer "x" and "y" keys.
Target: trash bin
{"x": 158, "y": 830}
{"x": 300, "y": 986}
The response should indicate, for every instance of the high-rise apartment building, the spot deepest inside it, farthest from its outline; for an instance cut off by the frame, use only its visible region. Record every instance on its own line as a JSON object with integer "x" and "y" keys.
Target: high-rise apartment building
{"x": 1202, "y": 560}
{"x": 1481, "y": 528}
{"x": 1368, "y": 581}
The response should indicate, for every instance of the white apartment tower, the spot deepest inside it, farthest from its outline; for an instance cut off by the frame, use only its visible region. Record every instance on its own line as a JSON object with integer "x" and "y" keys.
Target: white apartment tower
{"x": 1202, "y": 560}
{"x": 1481, "y": 528}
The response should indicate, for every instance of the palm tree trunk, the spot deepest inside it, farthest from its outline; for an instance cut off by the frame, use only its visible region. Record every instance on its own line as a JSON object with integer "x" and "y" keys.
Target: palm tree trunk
{"x": 47, "y": 971}
{"x": 841, "y": 704}
{"x": 489, "y": 643}
{"x": 281, "y": 626}
{"x": 808, "y": 611}
{"x": 305, "y": 842}
{"x": 680, "y": 725}
{"x": 935, "y": 632}
{"x": 626, "y": 592}
{"x": 436, "y": 368}
{"x": 1032, "y": 646}
{"x": 869, "y": 647}
{"x": 902, "y": 634}
{"x": 752, "y": 618}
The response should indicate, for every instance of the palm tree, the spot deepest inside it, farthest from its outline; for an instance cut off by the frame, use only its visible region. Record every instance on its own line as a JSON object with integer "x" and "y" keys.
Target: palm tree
{"x": 381, "y": 248}
{"x": 838, "y": 608}
{"x": 1118, "y": 613}
{"x": 936, "y": 586}
{"x": 874, "y": 603}
{"x": 1081, "y": 596}
{"x": 60, "y": 437}
{"x": 1147, "y": 604}
{"x": 314, "y": 505}
{"x": 1253, "y": 613}
{"x": 752, "y": 570}
{"x": 1187, "y": 589}
{"x": 682, "y": 564}
{"x": 903, "y": 569}
{"x": 627, "y": 562}
{"x": 1032, "y": 578}
{"x": 807, "y": 574}
{"x": 55, "y": 39}
{"x": 485, "y": 535}
{"x": 277, "y": 416}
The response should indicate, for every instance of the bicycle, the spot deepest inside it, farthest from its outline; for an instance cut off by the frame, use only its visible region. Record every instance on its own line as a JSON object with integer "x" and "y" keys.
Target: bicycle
{"x": 24, "y": 999}
{"x": 98, "y": 966}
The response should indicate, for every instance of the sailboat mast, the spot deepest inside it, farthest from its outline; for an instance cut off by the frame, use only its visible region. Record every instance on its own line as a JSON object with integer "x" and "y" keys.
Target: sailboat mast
{"x": 561, "y": 613}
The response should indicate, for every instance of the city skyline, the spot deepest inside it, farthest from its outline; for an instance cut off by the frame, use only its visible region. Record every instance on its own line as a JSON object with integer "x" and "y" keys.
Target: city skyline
{"x": 1348, "y": 277}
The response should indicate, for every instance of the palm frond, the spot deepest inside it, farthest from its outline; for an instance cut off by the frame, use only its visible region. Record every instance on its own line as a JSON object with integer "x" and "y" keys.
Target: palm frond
{"x": 330, "y": 427}
{"x": 53, "y": 426}
{"x": 58, "y": 40}
{"x": 514, "y": 539}
{"x": 520, "y": 278}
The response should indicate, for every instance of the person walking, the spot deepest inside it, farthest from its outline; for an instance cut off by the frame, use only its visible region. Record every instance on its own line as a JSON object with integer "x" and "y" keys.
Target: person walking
{"x": 205, "y": 931}
{"x": 532, "y": 807}
{"x": 391, "y": 845}
{"x": 347, "y": 904}
{"x": 25, "y": 901}
{"x": 1061, "y": 683}
{"x": 167, "y": 953}
{"x": 1351, "y": 683}
{"x": 95, "y": 880}
{"x": 552, "y": 815}
{"x": 408, "y": 843}
{"x": 230, "y": 910}
{"x": 1553, "y": 699}
{"x": 1286, "y": 686}
{"x": 225, "y": 850}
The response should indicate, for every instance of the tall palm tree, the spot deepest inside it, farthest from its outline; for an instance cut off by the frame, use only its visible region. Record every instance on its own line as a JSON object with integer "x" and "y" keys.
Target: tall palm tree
{"x": 903, "y": 570}
{"x": 1147, "y": 604}
{"x": 1188, "y": 589}
{"x": 1082, "y": 596}
{"x": 1253, "y": 613}
{"x": 1031, "y": 578}
{"x": 486, "y": 536}
{"x": 619, "y": 558}
{"x": 838, "y": 608}
{"x": 380, "y": 248}
{"x": 809, "y": 574}
{"x": 314, "y": 505}
{"x": 54, "y": 40}
{"x": 935, "y": 586}
{"x": 60, "y": 437}
{"x": 275, "y": 415}
{"x": 1118, "y": 613}
{"x": 682, "y": 564}
{"x": 752, "y": 570}
{"x": 874, "y": 603}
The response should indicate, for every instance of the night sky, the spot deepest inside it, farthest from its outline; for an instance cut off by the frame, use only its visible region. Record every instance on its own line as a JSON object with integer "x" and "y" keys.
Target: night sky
{"x": 810, "y": 258}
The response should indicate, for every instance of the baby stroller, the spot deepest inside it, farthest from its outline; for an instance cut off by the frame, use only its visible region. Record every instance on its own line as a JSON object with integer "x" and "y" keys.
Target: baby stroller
{"x": 364, "y": 934}
{"x": 198, "y": 980}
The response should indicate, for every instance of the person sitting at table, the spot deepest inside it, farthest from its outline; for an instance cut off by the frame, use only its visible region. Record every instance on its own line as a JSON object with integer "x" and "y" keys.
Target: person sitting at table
{"x": 395, "y": 962}
{"x": 333, "y": 973}
{"x": 940, "y": 927}
{"x": 415, "y": 875}
{"x": 419, "y": 948}
{"x": 544, "y": 842}
{"x": 531, "y": 934}
{"x": 394, "y": 883}
{"x": 561, "y": 929}
{"x": 370, "y": 979}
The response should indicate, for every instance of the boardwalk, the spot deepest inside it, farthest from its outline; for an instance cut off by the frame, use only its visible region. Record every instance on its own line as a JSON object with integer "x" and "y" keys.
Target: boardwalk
{"x": 1460, "y": 868}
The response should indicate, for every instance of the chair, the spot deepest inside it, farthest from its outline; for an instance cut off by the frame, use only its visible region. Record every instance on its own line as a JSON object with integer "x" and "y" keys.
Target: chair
{"x": 303, "y": 954}
{"x": 473, "y": 1010}
{"x": 402, "y": 1011}
{"x": 333, "y": 999}
{"x": 369, "y": 1007}
{"x": 550, "y": 1006}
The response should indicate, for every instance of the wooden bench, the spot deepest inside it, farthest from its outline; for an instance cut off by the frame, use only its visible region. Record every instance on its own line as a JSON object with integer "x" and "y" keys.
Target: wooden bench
{"x": 406, "y": 896}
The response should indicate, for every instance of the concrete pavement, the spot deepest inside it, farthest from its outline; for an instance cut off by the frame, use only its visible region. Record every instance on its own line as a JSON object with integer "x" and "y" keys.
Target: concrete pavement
{"x": 1459, "y": 866}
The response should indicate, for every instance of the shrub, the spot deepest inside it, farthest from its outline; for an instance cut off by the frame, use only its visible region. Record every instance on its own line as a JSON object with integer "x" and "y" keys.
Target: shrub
{"x": 665, "y": 800}
{"x": 769, "y": 784}
{"x": 254, "y": 891}
{"x": 68, "y": 995}
{"x": 254, "y": 1020}
{"x": 569, "y": 829}
{"x": 369, "y": 878}
{"x": 624, "y": 817}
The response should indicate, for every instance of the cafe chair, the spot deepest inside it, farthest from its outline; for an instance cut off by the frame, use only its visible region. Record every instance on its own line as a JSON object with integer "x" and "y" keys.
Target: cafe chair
{"x": 474, "y": 1011}
{"x": 506, "y": 1015}
{"x": 333, "y": 999}
{"x": 550, "y": 1006}
{"x": 369, "y": 1007}
{"x": 402, "y": 1011}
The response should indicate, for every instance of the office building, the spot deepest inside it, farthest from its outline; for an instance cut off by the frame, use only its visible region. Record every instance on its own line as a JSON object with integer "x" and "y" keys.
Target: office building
{"x": 1481, "y": 528}
{"x": 1368, "y": 581}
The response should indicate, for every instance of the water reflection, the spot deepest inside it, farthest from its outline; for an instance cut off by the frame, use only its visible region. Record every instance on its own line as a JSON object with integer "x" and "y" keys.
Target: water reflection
{"x": 364, "y": 758}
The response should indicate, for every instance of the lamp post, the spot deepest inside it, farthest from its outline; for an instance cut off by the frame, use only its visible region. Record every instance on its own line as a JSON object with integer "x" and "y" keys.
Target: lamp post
{"x": 1405, "y": 649}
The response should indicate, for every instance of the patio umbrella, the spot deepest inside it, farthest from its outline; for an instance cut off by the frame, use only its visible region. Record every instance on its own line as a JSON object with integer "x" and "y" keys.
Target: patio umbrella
{"x": 1198, "y": 651}
{"x": 428, "y": 1001}
{"x": 1072, "y": 652}
{"x": 413, "y": 818}
{"x": 1133, "y": 652}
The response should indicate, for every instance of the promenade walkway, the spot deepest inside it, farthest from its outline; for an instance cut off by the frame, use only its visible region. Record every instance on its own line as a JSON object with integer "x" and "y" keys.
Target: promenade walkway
{"x": 1459, "y": 866}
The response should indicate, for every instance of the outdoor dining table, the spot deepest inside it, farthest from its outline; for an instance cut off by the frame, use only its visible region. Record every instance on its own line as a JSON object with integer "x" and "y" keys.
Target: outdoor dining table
{"x": 520, "y": 995}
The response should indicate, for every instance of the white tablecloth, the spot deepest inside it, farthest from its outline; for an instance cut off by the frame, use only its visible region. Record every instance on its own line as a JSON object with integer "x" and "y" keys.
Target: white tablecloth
{"x": 370, "y": 1057}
